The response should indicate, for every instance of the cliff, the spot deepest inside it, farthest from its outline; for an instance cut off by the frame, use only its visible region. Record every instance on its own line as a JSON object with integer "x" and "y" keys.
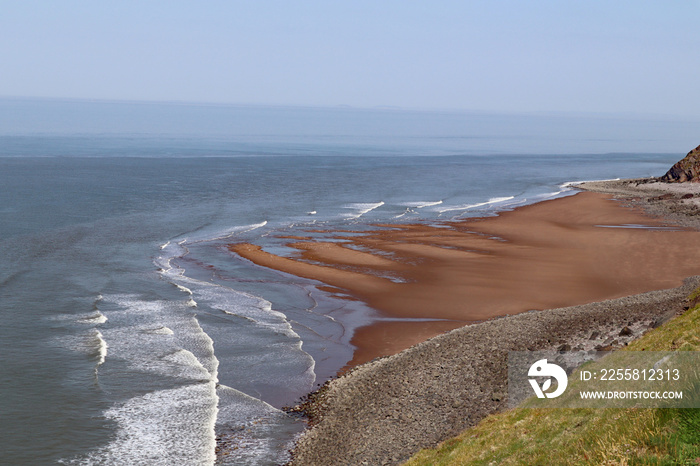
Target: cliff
{"x": 684, "y": 170}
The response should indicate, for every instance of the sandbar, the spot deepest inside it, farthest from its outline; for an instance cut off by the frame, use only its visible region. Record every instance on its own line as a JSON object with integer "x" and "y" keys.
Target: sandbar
{"x": 569, "y": 251}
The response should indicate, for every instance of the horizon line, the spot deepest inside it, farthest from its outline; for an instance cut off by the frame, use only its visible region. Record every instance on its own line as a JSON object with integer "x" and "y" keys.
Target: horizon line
{"x": 560, "y": 113}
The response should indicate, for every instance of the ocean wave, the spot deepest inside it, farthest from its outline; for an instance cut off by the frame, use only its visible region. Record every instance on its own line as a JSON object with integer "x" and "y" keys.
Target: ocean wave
{"x": 550, "y": 195}
{"x": 247, "y": 306}
{"x": 230, "y": 301}
{"x": 166, "y": 427}
{"x": 253, "y": 429}
{"x": 171, "y": 251}
{"x": 570, "y": 184}
{"x": 362, "y": 208}
{"x": 407, "y": 211}
{"x": 92, "y": 344}
{"x": 184, "y": 289}
{"x": 95, "y": 318}
{"x": 494, "y": 200}
{"x": 237, "y": 319}
{"x": 160, "y": 331}
{"x": 102, "y": 351}
{"x": 223, "y": 234}
{"x": 420, "y": 204}
{"x": 143, "y": 332}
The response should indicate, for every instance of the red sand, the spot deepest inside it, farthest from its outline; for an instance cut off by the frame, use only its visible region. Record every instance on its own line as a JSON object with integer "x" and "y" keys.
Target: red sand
{"x": 547, "y": 255}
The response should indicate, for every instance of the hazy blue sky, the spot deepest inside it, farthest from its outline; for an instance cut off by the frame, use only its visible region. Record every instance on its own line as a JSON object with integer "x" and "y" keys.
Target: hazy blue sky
{"x": 512, "y": 55}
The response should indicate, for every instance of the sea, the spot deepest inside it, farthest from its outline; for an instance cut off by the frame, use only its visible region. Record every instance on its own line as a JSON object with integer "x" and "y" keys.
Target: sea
{"x": 130, "y": 334}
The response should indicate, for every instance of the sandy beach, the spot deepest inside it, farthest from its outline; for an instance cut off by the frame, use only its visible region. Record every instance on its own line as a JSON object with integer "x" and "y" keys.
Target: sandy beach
{"x": 569, "y": 251}
{"x": 383, "y": 411}
{"x": 621, "y": 255}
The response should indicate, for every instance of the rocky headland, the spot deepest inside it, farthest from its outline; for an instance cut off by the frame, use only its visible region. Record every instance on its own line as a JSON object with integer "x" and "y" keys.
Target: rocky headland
{"x": 687, "y": 169}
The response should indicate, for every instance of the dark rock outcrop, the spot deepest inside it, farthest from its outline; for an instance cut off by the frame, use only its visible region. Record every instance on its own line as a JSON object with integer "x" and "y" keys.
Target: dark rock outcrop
{"x": 687, "y": 169}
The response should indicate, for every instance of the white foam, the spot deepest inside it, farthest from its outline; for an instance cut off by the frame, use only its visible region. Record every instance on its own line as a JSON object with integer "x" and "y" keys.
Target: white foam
{"x": 545, "y": 196}
{"x": 160, "y": 331}
{"x": 256, "y": 424}
{"x": 165, "y": 427}
{"x": 91, "y": 344}
{"x": 220, "y": 235}
{"x": 183, "y": 289}
{"x": 177, "y": 250}
{"x": 94, "y": 319}
{"x": 420, "y": 204}
{"x": 362, "y": 208}
{"x": 283, "y": 353}
{"x": 495, "y": 200}
{"x": 102, "y": 350}
{"x": 231, "y": 301}
{"x": 143, "y": 333}
{"x": 183, "y": 358}
{"x": 171, "y": 251}
{"x": 570, "y": 184}
{"x": 191, "y": 352}
{"x": 247, "y": 306}
{"x": 554, "y": 194}
{"x": 170, "y": 426}
{"x": 408, "y": 210}
{"x": 163, "y": 337}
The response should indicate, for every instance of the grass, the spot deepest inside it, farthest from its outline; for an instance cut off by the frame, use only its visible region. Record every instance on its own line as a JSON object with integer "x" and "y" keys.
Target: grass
{"x": 584, "y": 436}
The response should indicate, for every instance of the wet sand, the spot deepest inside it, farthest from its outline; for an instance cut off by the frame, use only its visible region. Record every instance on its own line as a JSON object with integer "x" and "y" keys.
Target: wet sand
{"x": 565, "y": 252}
{"x": 384, "y": 411}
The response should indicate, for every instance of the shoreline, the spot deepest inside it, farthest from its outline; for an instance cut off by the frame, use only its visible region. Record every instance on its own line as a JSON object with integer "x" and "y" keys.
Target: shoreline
{"x": 383, "y": 411}
{"x": 677, "y": 203}
{"x": 429, "y": 279}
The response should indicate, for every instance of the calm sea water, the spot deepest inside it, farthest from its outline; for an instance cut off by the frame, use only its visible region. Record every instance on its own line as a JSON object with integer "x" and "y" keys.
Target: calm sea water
{"x": 130, "y": 335}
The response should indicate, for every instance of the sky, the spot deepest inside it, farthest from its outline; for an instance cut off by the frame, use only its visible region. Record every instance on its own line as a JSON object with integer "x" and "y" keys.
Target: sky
{"x": 622, "y": 56}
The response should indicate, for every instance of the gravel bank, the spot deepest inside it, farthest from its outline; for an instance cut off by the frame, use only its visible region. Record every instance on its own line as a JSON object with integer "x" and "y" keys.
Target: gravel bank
{"x": 677, "y": 202}
{"x": 384, "y": 411}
